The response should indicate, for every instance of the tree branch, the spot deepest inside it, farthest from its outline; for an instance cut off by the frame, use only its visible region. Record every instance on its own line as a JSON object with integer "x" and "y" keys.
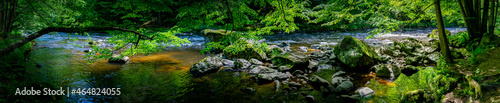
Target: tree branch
{"x": 15, "y": 45}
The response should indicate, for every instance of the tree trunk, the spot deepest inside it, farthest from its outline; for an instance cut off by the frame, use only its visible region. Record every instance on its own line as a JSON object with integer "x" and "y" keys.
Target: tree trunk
{"x": 15, "y": 45}
{"x": 443, "y": 41}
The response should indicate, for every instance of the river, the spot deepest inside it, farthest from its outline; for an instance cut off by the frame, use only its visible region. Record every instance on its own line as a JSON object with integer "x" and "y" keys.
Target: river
{"x": 164, "y": 77}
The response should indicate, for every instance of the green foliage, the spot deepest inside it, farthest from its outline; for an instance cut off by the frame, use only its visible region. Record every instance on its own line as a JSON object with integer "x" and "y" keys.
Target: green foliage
{"x": 238, "y": 42}
{"x": 128, "y": 44}
{"x": 283, "y": 16}
{"x": 428, "y": 79}
{"x": 230, "y": 13}
{"x": 458, "y": 40}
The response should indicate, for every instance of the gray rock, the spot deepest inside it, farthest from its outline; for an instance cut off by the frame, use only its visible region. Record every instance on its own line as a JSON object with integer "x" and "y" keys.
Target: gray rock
{"x": 316, "y": 80}
{"x": 324, "y": 67}
{"x": 208, "y": 65}
{"x": 337, "y": 80}
{"x": 296, "y": 60}
{"x": 242, "y": 64}
{"x": 284, "y": 44}
{"x": 227, "y": 62}
{"x": 117, "y": 58}
{"x": 255, "y": 61}
{"x": 315, "y": 46}
{"x": 313, "y": 65}
{"x": 268, "y": 77}
{"x": 365, "y": 92}
{"x": 338, "y": 73}
{"x": 261, "y": 69}
{"x": 294, "y": 84}
{"x": 284, "y": 68}
{"x": 344, "y": 86}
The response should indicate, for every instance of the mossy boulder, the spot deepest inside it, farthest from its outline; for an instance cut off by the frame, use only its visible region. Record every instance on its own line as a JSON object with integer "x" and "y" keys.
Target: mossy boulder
{"x": 245, "y": 49}
{"x": 215, "y": 35}
{"x": 355, "y": 53}
{"x": 408, "y": 45}
{"x": 208, "y": 65}
{"x": 435, "y": 33}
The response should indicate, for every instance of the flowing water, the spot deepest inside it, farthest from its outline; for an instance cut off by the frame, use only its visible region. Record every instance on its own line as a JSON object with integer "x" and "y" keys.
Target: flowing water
{"x": 164, "y": 77}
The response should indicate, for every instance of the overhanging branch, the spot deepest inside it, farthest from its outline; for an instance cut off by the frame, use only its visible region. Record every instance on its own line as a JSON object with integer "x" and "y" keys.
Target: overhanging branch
{"x": 15, "y": 45}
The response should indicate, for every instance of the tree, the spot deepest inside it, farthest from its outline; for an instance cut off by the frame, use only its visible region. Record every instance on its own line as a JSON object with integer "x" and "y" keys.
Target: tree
{"x": 475, "y": 20}
{"x": 443, "y": 41}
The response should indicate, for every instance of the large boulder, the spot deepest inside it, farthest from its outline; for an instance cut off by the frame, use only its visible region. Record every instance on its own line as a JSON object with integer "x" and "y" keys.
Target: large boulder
{"x": 117, "y": 58}
{"x": 208, "y": 65}
{"x": 355, "y": 53}
{"x": 292, "y": 59}
{"x": 245, "y": 49}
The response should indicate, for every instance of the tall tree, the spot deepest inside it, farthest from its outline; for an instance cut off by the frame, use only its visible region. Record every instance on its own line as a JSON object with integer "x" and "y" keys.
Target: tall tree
{"x": 443, "y": 41}
{"x": 475, "y": 20}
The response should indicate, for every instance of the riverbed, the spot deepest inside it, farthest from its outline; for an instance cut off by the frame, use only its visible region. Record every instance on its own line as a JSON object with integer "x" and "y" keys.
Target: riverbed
{"x": 164, "y": 76}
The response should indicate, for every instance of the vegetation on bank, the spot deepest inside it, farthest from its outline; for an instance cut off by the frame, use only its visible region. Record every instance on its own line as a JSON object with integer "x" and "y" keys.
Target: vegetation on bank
{"x": 249, "y": 19}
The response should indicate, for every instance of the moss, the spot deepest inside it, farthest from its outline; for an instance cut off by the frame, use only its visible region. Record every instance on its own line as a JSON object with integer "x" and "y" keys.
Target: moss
{"x": 354, "y": 52}
{"x": 428, "y": 79}
{"x": 434, "y": 33}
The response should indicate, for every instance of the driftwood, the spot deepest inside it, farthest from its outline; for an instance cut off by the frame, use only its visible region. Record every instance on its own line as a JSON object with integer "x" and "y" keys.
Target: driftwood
{"x": 15, "y": 45}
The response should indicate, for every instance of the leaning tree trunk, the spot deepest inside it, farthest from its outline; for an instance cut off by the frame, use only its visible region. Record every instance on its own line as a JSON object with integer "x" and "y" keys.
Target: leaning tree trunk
{"x": 443, "y": 41}
{"x": 15, "y": 45}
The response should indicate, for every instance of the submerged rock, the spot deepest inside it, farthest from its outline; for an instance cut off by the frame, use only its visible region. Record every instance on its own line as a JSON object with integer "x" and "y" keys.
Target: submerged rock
{"x": 117, "y": 58}
{"x": 355, "y": 53}
{"x": 208, "y": 65}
